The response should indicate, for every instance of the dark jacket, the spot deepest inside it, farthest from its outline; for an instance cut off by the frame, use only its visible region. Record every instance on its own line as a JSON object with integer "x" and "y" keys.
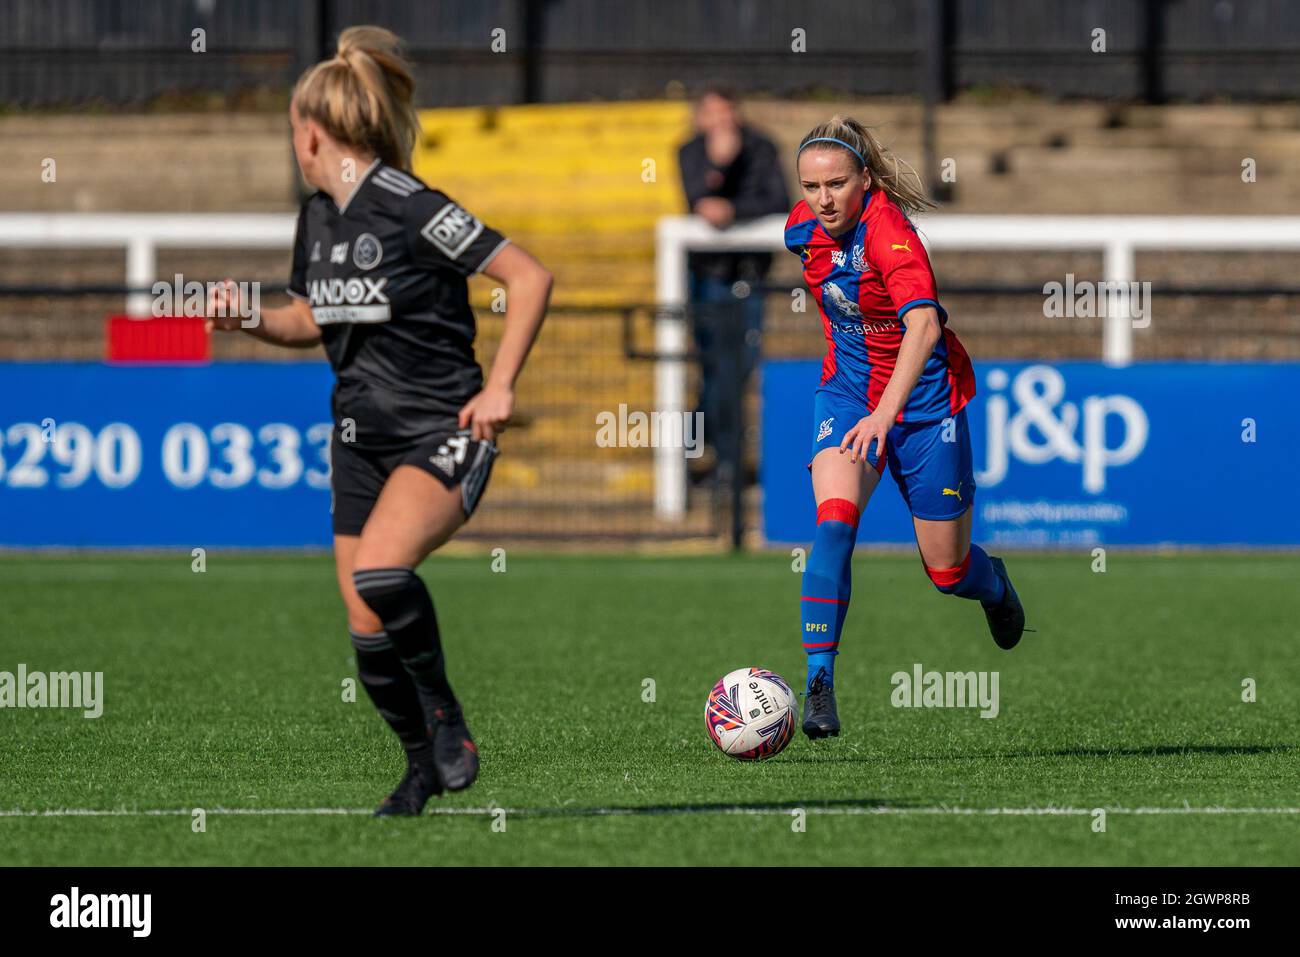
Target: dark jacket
{"x": 754, "y": 184}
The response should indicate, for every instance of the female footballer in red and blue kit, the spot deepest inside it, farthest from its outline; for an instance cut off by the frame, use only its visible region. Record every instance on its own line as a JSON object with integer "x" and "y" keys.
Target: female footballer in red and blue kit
{"x": 894, "y": 387}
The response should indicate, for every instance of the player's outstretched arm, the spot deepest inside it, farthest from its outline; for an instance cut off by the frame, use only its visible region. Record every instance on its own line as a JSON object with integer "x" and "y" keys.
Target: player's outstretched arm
{"x": 528, "y": 291}
{"x": 290, "y": 325}
{"x": 923, "y": 332}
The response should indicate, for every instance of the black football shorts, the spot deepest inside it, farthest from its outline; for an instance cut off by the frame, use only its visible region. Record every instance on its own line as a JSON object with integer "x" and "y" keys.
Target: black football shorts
{"x": 357, "y": 476}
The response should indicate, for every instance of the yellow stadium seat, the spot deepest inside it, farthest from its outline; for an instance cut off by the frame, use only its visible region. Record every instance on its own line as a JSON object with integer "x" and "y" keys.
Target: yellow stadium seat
{"x": 581, "y": 185}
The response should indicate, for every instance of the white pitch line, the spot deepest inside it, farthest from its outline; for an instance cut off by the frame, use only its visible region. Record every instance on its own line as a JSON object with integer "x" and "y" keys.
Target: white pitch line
{"x": 849, "y": 811}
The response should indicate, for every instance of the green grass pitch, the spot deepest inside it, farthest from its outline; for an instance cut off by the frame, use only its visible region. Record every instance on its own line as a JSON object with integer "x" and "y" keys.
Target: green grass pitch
{"x": 223, "y": 690}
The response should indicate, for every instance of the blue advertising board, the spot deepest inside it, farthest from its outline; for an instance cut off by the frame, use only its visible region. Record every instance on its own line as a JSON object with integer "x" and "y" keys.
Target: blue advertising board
{"x": 229, "y": 454}
{"x": 1079, "y": 453}
{"x": 1072, "y": 453}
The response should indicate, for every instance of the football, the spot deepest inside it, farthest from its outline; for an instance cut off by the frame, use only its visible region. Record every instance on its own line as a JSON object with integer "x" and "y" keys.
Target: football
{"x": 751, "y": 714}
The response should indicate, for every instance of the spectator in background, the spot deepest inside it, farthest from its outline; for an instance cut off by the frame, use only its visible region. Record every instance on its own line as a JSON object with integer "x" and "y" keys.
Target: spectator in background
{"x": 730, "y": 173}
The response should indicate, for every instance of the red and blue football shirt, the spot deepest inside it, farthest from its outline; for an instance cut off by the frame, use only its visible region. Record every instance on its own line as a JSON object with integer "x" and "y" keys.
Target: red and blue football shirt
{"x": 864, "y": 282}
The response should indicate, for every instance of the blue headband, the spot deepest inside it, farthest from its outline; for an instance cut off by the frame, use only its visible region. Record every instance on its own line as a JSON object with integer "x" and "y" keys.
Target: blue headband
{"x": 831, "y": 139}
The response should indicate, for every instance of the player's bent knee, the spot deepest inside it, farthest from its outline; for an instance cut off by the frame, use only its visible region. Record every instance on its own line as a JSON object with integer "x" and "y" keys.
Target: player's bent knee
{"x": 361, "y": 617}
{"x": 838, "y": 510}
{"x": 947, "y": 579}
{"x": 396, "y": 594}
{"x": 363, "y": 621}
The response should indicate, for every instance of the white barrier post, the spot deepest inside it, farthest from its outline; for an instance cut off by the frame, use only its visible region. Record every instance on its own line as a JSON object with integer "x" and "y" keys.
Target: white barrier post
{"x": 670, "y": 374}
{"x": 141, "y": 271}
{"x": 675, "y": 236}
{"x": 1117, "y": 328}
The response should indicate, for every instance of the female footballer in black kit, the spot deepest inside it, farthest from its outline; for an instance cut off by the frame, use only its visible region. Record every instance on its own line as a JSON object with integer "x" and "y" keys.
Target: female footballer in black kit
{"x": 380, "y": 266}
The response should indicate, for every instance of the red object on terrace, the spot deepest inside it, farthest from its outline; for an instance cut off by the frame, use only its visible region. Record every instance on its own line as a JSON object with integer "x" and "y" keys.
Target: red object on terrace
{"x": 162, "y": 339}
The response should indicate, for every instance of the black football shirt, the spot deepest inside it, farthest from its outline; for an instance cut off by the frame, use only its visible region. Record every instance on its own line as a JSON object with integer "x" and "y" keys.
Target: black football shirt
{"x": 386, "y": 277}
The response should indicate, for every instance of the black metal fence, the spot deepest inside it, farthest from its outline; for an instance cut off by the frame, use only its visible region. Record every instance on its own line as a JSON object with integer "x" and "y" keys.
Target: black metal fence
{"x": 67, "y": 52}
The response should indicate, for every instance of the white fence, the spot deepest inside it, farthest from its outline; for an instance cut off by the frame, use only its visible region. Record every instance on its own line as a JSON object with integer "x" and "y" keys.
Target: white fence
{"x": 141, "y": 235}
{"x": 1118, "y": 237}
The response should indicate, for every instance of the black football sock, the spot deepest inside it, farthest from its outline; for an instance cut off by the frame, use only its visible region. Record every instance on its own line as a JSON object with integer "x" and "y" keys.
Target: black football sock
{"x": 392, "y": 691}
{"x": 399, "y": 598}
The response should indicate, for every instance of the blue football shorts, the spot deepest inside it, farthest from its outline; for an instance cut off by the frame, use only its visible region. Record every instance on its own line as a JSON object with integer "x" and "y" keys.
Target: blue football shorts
{"x": 930, "y": 461}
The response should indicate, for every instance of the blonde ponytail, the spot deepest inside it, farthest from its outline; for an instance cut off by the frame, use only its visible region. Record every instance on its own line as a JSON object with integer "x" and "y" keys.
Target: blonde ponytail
{"x": 362, "y": 97}
{"x": 897, "y": 178}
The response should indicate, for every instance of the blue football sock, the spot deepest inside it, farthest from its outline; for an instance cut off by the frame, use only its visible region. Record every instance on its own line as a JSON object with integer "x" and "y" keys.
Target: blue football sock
{"x": 826, "y": 587}
{"x": 973, "y": 578}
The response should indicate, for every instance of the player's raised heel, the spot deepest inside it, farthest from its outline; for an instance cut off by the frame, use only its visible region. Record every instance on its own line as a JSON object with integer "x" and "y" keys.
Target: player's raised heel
{"x": 454, "y": 752}
{"x": 1006, "y": 619}
{"x": 410, "y": 796}
{"x": 820, "y": 719}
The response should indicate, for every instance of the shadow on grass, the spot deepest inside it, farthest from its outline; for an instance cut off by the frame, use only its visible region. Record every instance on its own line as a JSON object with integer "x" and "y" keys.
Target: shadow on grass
{"x": 1150, "y": 751}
